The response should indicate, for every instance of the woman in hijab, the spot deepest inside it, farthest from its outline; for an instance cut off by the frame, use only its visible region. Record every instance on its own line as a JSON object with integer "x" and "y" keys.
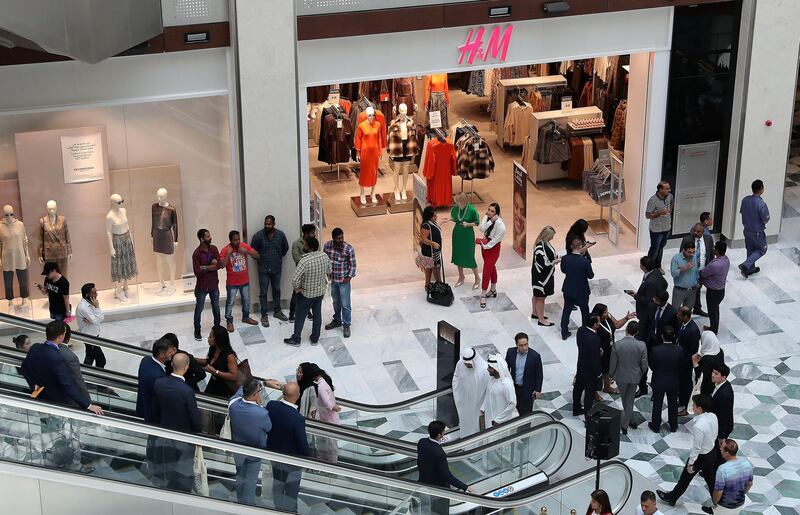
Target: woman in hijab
{"x": 710, "y": 354}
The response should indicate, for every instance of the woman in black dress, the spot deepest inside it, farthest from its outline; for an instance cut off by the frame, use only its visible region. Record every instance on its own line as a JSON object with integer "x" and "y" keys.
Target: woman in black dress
{"x": 220, "y": 363}
{"x": 543, "y": 270}
{"x": 710, "y": 355}
{"x": 430, "y": 245}
{"x": 608, "y": 326}
{"x": 578, "y": 231}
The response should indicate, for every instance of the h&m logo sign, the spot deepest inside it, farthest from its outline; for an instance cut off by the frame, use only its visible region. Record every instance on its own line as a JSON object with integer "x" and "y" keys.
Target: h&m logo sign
{"x": 497, "y": 47}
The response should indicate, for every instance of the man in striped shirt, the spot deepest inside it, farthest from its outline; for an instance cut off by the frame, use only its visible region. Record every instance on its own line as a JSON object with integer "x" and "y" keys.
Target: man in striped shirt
{"x": 309, "y": 282}
{"x": 734, "y": 479}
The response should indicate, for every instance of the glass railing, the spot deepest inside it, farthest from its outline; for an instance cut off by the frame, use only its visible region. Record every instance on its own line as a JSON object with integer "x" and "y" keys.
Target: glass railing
{"x": 42, "y": 435}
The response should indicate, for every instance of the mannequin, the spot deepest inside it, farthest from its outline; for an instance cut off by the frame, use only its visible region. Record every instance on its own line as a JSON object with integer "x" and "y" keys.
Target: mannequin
{"x": 54, "y": 244}
{"x": 164, "y": 232}
{"x": 437, "y": 96}
{"x": 402, "y": 149}
{"x": 368, "y": 146}
{"x": 123, "y": 260}
{"x": 14, "y": 254}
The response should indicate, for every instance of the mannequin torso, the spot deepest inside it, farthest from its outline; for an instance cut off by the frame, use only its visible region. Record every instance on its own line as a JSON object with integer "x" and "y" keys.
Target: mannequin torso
{"x": 117, "y": 221}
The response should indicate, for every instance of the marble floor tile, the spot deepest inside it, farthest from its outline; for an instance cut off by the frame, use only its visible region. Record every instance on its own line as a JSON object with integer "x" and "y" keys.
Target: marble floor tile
{"x": 603, "y": 287}
{"x": 251, "y": 335}
{"x": 386, "y": 317}
{"x": 771, "y": 290}
{"x": 789, "y": 211}
{"x": 399, "y": 374}
{"x": 427, "y": 339}
{"x": 337, "y": 351}
{"x": 793, "y": 253}
{"x": 496, "y": 305}
{"x": 756, "y": 320}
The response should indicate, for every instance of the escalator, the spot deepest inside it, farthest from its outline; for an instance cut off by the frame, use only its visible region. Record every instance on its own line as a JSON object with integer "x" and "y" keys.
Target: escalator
{"x": 117, "y": 449}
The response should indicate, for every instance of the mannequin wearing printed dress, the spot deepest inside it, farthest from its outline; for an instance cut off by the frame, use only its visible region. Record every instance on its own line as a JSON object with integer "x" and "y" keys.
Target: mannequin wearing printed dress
{"x": 54, "y": 238}
{"x": 164, "y": 233}
{"x": 123, "y": 260}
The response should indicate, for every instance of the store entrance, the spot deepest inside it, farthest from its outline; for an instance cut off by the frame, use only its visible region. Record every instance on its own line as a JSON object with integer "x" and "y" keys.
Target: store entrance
{"x": 509, "y": 108}
{"x": 791, "y": 192}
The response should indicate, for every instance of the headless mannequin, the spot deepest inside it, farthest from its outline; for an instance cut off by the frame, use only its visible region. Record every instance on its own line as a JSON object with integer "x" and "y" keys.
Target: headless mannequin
{"x": 371, "y": 118}
{"x": 9, "y": 219}
{"x": 165, "y": 262}
{"x": 117, "y": 223}
{"x": 400, "y": 192}
{"x": 52, "y": 215}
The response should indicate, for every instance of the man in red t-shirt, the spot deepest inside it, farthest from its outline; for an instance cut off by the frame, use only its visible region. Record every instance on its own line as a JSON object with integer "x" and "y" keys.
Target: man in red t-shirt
{"x": 234, "y": 258}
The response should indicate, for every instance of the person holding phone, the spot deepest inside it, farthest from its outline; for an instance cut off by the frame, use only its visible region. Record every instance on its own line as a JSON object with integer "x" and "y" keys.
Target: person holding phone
{"x": 578, "y": 231}
{"x": 659, "y": 212}
{"x": 56, "y": 287}
{"x": 493, "y": 229}
{"x": 89, "y": 317}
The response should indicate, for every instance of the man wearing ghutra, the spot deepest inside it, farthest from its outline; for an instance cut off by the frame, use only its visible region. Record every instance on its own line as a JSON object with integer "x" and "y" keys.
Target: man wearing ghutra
{"x": 500, "y": 404}
{"x": 470, "y": 381}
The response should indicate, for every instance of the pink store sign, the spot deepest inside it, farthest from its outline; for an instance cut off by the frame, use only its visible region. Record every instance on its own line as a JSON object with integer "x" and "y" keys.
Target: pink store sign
{"x": 497, "y": 48}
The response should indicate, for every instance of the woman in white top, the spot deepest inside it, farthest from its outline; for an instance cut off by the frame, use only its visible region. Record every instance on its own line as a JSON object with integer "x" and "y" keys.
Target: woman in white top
{"x": 493, "y": 230}
{"x": 89, "y": 317}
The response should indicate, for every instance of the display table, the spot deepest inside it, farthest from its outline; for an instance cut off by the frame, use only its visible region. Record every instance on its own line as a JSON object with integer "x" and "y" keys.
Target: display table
{"x": 399, "y": 206}
{"x": 369, "y": 209}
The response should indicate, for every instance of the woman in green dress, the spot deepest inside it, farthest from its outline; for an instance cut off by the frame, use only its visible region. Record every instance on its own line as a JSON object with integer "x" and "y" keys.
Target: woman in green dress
{"x": 464, "y": 217}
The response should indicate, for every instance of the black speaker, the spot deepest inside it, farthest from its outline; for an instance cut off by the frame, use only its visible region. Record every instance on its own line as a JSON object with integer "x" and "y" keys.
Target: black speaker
{"x": 602, "y": 432}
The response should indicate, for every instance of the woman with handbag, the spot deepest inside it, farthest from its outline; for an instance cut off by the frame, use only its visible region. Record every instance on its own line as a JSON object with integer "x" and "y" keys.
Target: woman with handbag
{"x": 221, "y": 363}
{"x": 430, "y": 243}
{"x": 493, "y": 229}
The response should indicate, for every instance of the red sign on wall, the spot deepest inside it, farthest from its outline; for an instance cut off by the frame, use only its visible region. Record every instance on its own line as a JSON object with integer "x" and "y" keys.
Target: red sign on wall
{"x": 497, "y": 47}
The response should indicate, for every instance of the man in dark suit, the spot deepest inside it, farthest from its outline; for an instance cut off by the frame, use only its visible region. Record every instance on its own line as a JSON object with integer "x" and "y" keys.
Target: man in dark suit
{"x": 688, "y": 336}
{"x": 661, "y": 314}
{"x": 703, "y": 254}
{"x": 577, "y": 271}
{"x": 590, "y": 368}
{"x": 525, "y": 365}
{"x": 433, "y": 469}
{"x": 175, "y": 407}
{"x": 652, "y": 283}
{"x": 48, "y": 374}
{"x": 288, "y": 436}
{"x": 665, "y": 362}
{"x": 722, "y": 400}
{"x": 152, "y": 368}
{"x": 73, "y": 363}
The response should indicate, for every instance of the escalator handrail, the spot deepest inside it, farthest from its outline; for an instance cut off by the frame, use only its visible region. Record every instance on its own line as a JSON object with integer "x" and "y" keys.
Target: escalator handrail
{"x": 99, "y": 341}
{"x": 305, "y": 463}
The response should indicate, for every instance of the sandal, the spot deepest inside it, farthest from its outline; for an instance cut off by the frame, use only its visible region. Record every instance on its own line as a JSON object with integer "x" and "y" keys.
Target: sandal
{"x": 483, "y": 302}
{"x": 459, "y": 283}
{"x": 476, "y": 285}
{"x": 547, "y": 324}
{"x": 534, "y": 316}
{"x": 492, "y": 294}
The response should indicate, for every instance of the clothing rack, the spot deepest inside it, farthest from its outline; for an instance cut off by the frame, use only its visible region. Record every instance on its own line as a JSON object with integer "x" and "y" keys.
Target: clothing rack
{"x": 328, "y": 175}
{"x": 472, "y": 197}
{"x": 612, "y": 163}
{"x": 506, "y": 85}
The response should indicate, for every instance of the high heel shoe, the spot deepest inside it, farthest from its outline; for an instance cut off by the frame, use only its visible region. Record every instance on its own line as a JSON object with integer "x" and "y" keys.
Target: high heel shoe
{"x": 546, "y": 324}
{"x": 476, "y": 285}
{"x": 483, "y": 301}
{"x": 458, "y": 283}
{"x": 492, "y": 294}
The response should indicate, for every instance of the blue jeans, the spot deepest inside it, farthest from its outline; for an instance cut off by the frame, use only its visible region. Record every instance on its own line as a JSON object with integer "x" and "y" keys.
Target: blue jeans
{"x": 658, "y": 240}
{"x": 244, "y": 291}
{"x": 304, "y": 304}
{"x": 58, "y": 316}
{"x": 756, "y": 244}
{"x": 246, "y": 480}
{"x": 264, "y": 281}
{"x": 340, "y": 293}
{"x": 200, "y": 302}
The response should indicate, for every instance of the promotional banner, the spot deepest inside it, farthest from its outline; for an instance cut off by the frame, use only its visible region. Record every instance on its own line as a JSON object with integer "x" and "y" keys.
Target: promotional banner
{"x": 520, "y": 206}
{"x": 420, "y": 203}
{"x": 83, "y": 158}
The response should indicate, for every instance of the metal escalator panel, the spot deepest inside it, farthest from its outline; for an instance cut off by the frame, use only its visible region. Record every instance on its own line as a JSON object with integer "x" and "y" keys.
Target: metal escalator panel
{"x": 37, "y": 434}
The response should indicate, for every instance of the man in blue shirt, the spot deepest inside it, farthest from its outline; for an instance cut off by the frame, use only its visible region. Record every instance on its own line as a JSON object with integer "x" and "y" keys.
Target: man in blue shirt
{"x": 250, "y": 424}
{"x": 755, "y": 216}
{"x": 271, "y": 245}
{"x": 684, "y": 270}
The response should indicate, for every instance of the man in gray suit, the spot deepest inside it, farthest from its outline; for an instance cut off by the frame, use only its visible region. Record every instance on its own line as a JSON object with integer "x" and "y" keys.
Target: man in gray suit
{"x": 628, "y": 365}
{"x": 73, "y": 363}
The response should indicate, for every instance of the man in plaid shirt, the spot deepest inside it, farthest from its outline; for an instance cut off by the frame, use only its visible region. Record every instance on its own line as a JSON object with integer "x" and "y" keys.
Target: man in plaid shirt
{"x": 343, "y": 264}
{"x": 309, "y": 281}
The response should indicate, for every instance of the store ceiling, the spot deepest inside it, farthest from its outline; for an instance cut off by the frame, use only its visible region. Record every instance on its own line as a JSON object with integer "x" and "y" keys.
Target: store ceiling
{"x": 85, "y": 30}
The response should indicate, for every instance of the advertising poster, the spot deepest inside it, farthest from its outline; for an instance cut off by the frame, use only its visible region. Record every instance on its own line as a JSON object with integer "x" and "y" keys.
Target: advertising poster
{"x": 420, "y": 203}
{"x": 520, "y": 206}
{"x": 83, "y": 158}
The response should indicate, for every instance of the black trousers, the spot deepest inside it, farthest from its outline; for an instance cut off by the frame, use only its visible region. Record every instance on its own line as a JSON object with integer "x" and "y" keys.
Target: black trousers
{"x": 714, "y": 299}
{"x": 686, "y": 385}
{"x": 569, "y": 303}
{"x": 524, "y": 402}
{"x": 585, "y": 389}
{"x": 672, "y": 407}
{"x": 94, "y": 355}
{"x": 705, "y": 465}
{"x": 649, "y": 342}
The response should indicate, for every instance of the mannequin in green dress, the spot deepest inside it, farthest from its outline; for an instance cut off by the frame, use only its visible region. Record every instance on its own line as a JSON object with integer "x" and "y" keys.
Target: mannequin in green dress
{"x": 464, "y": 217}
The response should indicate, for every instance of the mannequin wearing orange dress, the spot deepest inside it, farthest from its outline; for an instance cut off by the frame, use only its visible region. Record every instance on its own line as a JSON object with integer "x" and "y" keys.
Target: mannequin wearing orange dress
{"x": 439, "y": 168}
{"x": 368, "y": 144}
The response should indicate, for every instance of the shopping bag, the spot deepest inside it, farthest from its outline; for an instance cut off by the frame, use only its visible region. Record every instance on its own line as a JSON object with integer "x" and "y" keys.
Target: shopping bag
{"x": 199, "y": 473}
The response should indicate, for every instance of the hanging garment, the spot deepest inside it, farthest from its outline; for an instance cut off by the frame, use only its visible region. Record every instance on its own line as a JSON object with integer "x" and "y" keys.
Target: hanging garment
{"x": 517, "y": 123}
{"x": 337, "y": 133}
{"x": 559, "y": 93}
{"x": 575, "y": 165}
{"x": 436, "y": 83}
{"x": 439, "y": 168}
{"x": 586, "y": 95}
{"x": 403, "y": 91}
{"x": 317, "y": 94}
{"x": 597, "y": 183}
{"x": 359, "y": 107}
{"x": 553, "y": 145}
{"x": 474, "y": 158}
{"x": 368, "y": 146}
{"x": 513, "y": 72}
{"x": 439, "y": 103}
{"x": 323, "y": 151}
{"x": 477, "y": 79}
{"x": 397, "y": 147}
{"x": 618, "y": 128}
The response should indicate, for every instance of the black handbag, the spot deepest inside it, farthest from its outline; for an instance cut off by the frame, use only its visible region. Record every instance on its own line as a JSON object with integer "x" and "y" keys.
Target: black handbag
{"x": 440, "y": 292}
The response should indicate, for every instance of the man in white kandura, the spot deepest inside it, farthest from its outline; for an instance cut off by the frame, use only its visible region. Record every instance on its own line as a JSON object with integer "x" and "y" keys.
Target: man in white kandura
{"x": 500, "y": 404}
{"x": 470, "y": 381}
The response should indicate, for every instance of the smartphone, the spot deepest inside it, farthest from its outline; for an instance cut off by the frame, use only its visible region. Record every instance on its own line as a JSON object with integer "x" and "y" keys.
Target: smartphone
{"x": 629, "y": 292}
{"x": 592, "y": 242}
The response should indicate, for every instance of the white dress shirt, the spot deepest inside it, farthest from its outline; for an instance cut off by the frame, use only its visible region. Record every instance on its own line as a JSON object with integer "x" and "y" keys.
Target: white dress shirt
{"x": 704, "y": 435}
{"x": 89, "y": 318}
{"x": 700, "y": 249}
{"x": 640, "y": 512}
{"x": 498, "y": 231}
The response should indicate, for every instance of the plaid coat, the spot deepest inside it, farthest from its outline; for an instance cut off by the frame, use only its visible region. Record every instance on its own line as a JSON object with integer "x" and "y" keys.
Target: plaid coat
{"x": 395, "y": 142}
{"x": 472, "y": 163}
